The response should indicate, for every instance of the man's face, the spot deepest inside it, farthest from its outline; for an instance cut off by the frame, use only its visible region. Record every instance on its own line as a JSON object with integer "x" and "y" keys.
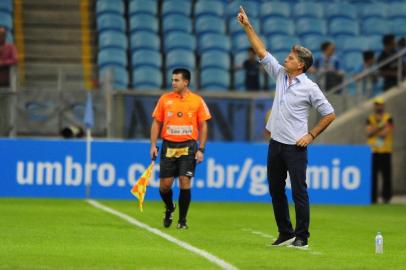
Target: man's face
{"x": 292, "y": 63}
{"x": 379, "y": 108}
{"x": 330, "y": 50}
{"x": 178, "y": 83}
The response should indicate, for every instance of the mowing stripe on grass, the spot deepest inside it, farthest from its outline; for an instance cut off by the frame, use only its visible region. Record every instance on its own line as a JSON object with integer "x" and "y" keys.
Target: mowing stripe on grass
{"x": 210, "y": 257}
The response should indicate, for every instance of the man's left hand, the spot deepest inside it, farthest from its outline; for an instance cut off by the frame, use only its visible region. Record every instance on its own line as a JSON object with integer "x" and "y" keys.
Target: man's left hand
{"x": 305, "y": 140}
{"x": 199, "y": 156}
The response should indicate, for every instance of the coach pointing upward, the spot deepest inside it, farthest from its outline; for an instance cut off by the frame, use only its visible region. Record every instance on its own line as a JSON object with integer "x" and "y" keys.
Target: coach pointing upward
{"x": 288, "y": 130}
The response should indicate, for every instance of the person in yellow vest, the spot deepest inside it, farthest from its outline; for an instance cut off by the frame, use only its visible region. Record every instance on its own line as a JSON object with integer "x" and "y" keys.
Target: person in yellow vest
{"x": 379, "y": 131}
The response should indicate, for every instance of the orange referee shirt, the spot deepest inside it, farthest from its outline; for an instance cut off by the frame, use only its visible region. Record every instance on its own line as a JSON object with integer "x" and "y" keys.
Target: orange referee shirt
{"x": 181, "y": 116}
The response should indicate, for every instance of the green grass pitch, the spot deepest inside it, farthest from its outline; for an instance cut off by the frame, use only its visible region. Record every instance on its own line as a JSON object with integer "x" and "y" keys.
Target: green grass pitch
{"x": 71, "y": 234}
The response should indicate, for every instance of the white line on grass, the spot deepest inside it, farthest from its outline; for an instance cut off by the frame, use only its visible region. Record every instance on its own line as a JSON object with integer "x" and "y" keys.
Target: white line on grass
{"x": 210, "y": 257}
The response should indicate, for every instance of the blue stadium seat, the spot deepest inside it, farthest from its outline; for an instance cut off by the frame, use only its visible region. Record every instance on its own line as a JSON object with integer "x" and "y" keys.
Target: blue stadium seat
{"x": 355, "y": 44}
{"x": 239, "y": 58}
{"x": 313, "y": 42}
{"x": 250, "y": 7}
{"x": 239, "y": 80}
{"x": 343, "y": 26}
{"x": 6, "y": 6}
{"x": 182, "y": 7}
{"x": 119, "y": 76}
{"x": 110, "y": 22}
{"x": 9, "y": 37}
{"x": 113, "y": 39}
{"x": 210, "y": 24}
{"x": 311, "y": 26}
{"x": 397, "y": 11}
{"x": 276, "y": 25}
{"x": 340, "y": 10}
{"x": 398, "y": 26}
{"x": 144, "y": 22}
{"x": 375, "y": 26}
{"x": 6, "y": 20}
{"x": 176, "y": 22}
{"x": 145, "y": 40}
{"x": 214, "y": 42}
{"x": 179, "y": 40}
{"x": 146, "y": 78}
{"x": 180, "y": 58}
{"x": 234, "y": 26}
{"x": 110, "y": 57}
{"x": 282, "y": 43}
{"x": 274, "y": 9}
{"x": 109, "y": 7}
{"x": 375, "y": 43}
{"x": 149, "y": 7}
{"x": 214, "y": 79}
{"x": 351, "y": 61}
{"x": 375, "y": 10}
{"x": 208, "y": 7}
{"x": 240, "y": 43}
{"x": 215, "y": 59}
{"x": 146, "y": 58}
{"x": 308, "y": 9}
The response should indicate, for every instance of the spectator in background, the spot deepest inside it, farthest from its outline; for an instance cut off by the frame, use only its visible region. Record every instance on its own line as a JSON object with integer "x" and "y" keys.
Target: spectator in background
{"x": 8, "y": 58}
{"x": 252, "y": 72}
{"x": 327, "y": 67}
{"x": 379, "y": 132}
{"x": 401, "y": 46}
{"x": 389, "y": 71}
{"x": 368, "y": 83}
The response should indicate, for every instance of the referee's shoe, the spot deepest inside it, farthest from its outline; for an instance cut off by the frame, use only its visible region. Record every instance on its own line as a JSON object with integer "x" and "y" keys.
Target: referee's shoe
{"x": 168, "y": 216}
{"x": 284, "y": 240}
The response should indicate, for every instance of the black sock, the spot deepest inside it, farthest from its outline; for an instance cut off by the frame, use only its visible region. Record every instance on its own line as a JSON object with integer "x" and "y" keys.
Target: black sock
{"x": 167, "y": 198}
{"x": 184, "y": 201}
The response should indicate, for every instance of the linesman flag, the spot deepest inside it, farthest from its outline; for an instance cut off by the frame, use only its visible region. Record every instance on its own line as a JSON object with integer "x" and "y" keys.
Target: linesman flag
{"x": 140, "y": 187}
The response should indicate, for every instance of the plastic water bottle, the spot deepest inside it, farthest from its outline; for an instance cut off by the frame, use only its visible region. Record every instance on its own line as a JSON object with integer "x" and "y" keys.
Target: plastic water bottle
{"x": 379, "y": 243}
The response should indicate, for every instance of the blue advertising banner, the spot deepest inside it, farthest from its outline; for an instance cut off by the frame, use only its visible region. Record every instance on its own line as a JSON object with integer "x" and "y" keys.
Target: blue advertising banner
{"x": 230, "y": 172}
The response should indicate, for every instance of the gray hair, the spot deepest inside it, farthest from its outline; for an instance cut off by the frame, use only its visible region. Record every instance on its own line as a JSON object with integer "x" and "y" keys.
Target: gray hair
{"x": 304, "y": 55}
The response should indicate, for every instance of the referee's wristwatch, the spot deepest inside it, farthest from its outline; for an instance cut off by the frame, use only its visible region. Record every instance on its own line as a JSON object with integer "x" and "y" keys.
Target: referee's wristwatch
{"x": 201, "y": 149}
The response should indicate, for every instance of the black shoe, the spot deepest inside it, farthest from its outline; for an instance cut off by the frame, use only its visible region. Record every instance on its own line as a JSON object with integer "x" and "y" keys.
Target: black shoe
{"x": 283, "y": 240}
{"x": 182, "y": 225}
{"x": 299, "y": 243}
{"x": 168, "y": 216}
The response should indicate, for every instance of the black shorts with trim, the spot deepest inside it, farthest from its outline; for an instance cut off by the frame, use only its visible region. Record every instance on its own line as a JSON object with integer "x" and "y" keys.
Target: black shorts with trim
{"x": 184, "y": 165}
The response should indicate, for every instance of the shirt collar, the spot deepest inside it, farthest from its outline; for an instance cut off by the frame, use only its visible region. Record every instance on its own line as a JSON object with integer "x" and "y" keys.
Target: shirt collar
{"x": 299, "y": 78}
{"x": 187, "y": 93}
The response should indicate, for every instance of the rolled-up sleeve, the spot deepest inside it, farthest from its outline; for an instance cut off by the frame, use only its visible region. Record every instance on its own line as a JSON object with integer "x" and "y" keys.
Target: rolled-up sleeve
{"x": 319, "y": 101}
{"x": 271, "y": 65}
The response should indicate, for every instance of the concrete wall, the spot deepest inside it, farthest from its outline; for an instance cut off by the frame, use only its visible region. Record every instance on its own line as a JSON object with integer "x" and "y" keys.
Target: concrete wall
{"x": 349, "y": 128}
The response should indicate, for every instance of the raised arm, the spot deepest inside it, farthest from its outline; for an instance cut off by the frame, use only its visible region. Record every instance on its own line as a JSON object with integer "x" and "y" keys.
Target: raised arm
{"x": 255, "y": 41}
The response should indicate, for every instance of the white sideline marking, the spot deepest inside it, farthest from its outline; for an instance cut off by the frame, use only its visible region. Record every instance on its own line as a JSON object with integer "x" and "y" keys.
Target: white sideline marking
{"x": 210, "y": 257}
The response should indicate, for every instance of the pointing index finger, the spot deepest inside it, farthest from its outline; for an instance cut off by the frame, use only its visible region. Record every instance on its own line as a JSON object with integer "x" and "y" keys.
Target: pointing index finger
{"x": 242, "y": 10}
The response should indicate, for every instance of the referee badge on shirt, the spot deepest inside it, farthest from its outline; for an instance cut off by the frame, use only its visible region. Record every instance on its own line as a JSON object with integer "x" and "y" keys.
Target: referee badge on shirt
{"x": 179, "y": 114}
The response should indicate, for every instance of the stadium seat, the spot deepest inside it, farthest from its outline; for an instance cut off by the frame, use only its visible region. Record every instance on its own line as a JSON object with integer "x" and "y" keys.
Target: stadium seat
{"x": 308, "y": 9}
{"x": 240, "y": 43}
{"x": 6, "y": 20}
{"x": 313, "y": 42}
{"x": 145, "y": 40}
{"x": 398, "y": 26}
{"x": 375, "y": 43}
{"x": 250, "y": 7}
{"x": 239, "y": 80}
{"x": 112, "y": 22}
{"x": 146, "y": 78}
{"x": 208, "y": 7}
{"x": 239, "y": 58}
{"x": 375, "y": 10}
{"x": 144, "y": 22}
{"x": 235, "y": 28}
{"x": 375, "y": 26}
{"x": 146, "y": 58}
{"x": 282, "y": 43}
{"x": 355, "y": 44}
{"x": 351, "y": 61}
{"x": 340, "y": 10}
{"x": 343, "y": 26}
{"x": 182, "y": 7}
{"x": 6, "y": 6}
{"x": 179, "y": 40}
{"x": 112, "y": 57}
{"x": 113, "y": 39}
{"x": 180, "y": 58}
{"x": 215, "y": 59}
{"x": 109, "y": 7}
{"x": 119, "y": 76}
{"x": 214, "y": 79}
{"x": 274, "y": 9}
{"x": 9, "y": 38}
{"x": 210, "y": 24}
{"x": 143, "y": 7}
{"x": 311, "y": 26}
{"x": 396, "y": 10}
{"x": 176, "y": 22}
{"x": 276, "y": 25}
{"x": 214, "y": 42}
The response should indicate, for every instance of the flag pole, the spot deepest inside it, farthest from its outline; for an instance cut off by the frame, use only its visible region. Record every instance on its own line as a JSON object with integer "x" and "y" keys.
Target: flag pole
{"x": 89, "y": 121}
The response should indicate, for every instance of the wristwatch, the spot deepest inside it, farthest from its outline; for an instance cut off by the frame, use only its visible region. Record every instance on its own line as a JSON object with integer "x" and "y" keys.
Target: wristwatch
{"x": 201, "y": 149}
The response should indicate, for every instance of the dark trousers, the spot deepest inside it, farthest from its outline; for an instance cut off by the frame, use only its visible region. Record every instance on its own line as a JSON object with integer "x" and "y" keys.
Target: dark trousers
{"x": 283, "y": 158}
{"x": 382, "y": 163}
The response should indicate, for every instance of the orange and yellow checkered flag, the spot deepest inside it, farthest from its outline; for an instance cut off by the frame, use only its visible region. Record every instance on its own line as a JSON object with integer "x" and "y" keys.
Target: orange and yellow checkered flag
{"x": 140, "y": 187}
